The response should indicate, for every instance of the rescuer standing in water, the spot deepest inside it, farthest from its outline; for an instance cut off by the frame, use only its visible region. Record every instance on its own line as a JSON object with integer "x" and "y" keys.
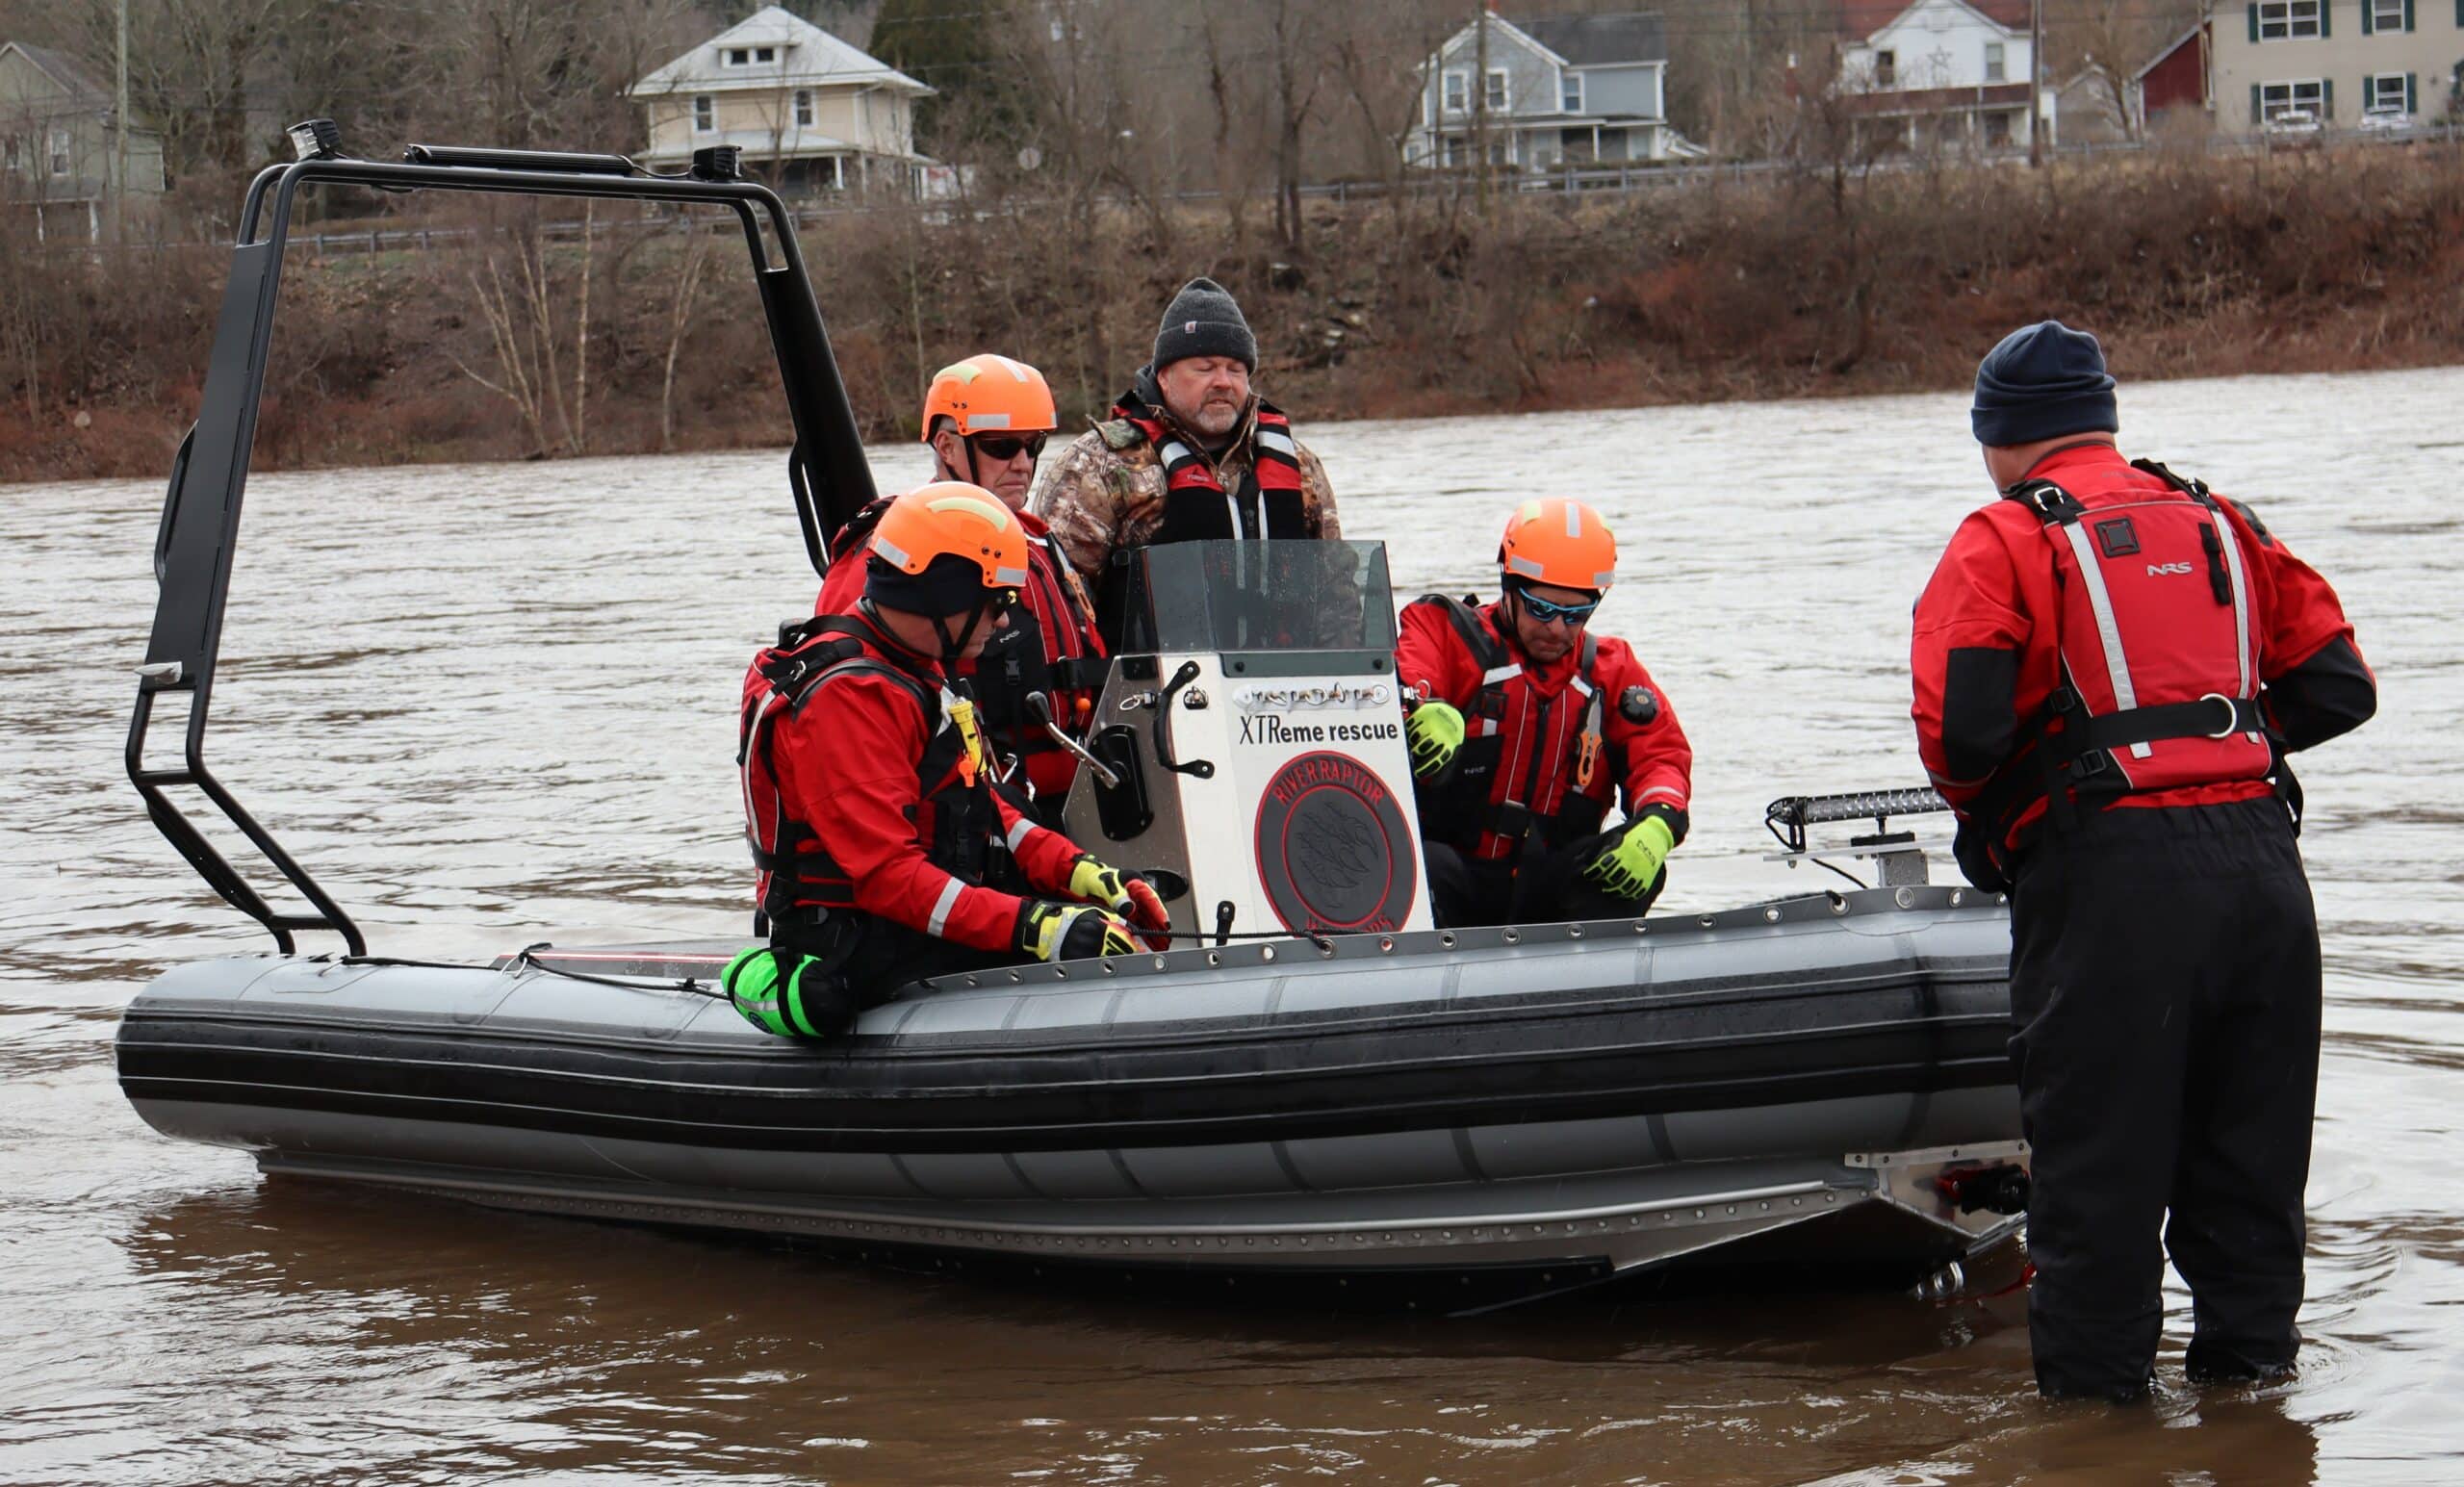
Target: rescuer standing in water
{"x": 2110, "y": 664}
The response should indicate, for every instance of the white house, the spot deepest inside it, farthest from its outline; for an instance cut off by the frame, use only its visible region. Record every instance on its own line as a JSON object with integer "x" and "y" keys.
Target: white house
{"x": 808, "y": 109}
{"x": 1944, "y": 71}
{"x": 1565, "y": 90}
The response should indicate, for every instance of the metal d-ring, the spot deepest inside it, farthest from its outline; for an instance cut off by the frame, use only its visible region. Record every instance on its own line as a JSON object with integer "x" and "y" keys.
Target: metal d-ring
{"x": 2232, "y": 715}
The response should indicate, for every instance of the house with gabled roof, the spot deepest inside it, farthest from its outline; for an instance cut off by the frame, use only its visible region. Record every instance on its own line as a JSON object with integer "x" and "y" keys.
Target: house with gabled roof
{"x": 807, "y": 110}
{"x": 1944, "y": 72}
{"x": 60, "y": 155}
{"x": 2100, "y": 105}
{"x": 1570, "y": 91}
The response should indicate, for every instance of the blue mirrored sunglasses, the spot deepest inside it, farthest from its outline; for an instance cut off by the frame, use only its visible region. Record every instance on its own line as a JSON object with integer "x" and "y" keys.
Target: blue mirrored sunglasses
{"x": 1545, "y": 611}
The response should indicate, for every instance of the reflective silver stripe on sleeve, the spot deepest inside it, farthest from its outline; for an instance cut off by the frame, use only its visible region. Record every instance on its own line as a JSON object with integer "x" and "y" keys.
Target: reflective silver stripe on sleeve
{"x": 1173, "y": 451}
{"x": 1582, "y": 686}
{"x": 2240, "y": 602}
{"x": 2101, "y": 603}
{"x": 942, "y": 906}
{"x": 1497, "y": 674}
{"x": 1280, "y": 443}
{"x": 1019, "y": 833}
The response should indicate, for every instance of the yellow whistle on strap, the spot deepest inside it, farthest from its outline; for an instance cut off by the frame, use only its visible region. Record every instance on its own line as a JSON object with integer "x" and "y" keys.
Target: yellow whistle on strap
{"x": 961, "y": 715}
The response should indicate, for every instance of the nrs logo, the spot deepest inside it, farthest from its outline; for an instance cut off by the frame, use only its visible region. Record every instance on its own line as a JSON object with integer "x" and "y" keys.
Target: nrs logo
{"x": 2159, "y": 570}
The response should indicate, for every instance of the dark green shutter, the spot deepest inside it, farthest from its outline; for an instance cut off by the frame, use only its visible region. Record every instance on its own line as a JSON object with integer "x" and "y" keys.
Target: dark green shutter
{"x": 2254, "y": 16}
{"x": 2326, "y": 17}
{"x": 2369, "y": 91}
{"x": 2412, "y": 101}
{"x": 2369, "y": 25}
{"x": 2326, "y": 99}
{"x": 2257, "y": 115}
{"x": 2408, "y": 14}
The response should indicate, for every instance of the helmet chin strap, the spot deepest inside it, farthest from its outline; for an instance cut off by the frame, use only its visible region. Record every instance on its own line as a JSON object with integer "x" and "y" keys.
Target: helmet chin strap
{"x": 954, "y": 643}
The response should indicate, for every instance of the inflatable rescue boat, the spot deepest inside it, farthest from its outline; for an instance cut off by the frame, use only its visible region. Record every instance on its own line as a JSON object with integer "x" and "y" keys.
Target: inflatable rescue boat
{"x": 1320, "y": 1080}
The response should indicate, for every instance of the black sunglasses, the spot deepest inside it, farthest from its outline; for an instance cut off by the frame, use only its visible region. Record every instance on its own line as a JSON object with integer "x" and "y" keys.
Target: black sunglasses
{"x": 1545, "y": 610}
{"x": 1005, "y": 446}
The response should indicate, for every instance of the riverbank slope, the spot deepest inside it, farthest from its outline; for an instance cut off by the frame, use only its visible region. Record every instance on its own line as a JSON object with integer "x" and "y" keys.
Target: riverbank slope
{"x": 508, "y": 343}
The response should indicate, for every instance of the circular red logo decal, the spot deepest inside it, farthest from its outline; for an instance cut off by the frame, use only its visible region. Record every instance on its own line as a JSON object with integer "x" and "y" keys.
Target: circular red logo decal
{"x": 1333, "y": 847}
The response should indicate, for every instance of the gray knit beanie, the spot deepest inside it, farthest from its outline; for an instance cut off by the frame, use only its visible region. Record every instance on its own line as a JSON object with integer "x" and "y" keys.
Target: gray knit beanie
{"x": 1204, "y": 321}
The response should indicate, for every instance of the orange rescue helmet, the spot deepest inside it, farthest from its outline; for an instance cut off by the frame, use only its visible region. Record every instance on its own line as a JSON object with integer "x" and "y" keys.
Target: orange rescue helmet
{"x": 1561, "y": 543}
{"x": 953, "y": 518}
{"x": 989, "y": 393}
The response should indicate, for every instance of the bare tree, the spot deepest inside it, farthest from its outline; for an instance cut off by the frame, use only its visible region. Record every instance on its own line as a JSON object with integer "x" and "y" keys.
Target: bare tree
{"x": 679, "y": 319}
{"x": 2110, "y": 41}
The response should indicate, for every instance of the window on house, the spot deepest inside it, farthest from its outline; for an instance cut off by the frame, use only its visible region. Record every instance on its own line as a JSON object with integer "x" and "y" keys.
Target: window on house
{"x": 2282, "y": 20}
{"x": 1497, "y": 152}
{"x": 1453, "y": 152}
{"x": 1994, "y": 70}
{"x": 2385, "y": 93}
{"x": 706, "y": 113}
{"x": 1570, "y": 94}
{"x": 1997, "y": 129}
{"x": 804, "y": 108}
{"x": 2388, "y": 14}
{"x": 1458, "y": 93}
{"x": 1885, "y": 69}
{"x": 735, "y": 57}
{"x": 1499, "y": 103}
{"x": 765, "y": 54}
{"x": 59, "y": 152}
{"x": 2305, "y": 100}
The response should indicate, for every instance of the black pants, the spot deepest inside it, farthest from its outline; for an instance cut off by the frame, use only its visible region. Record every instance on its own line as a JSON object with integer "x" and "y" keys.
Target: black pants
{"x": 1464, "y": 890}
{"x": 2165, "y": 989}
{"x": 868, "y": 957}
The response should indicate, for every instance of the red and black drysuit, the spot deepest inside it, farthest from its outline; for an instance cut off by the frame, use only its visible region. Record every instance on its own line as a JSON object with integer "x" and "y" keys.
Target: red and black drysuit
{"x": 2109, "y": 665}
{"x": 1513, "y": 820}
{"x": 883, "y": 848}
{"x": 1049, "y": 645}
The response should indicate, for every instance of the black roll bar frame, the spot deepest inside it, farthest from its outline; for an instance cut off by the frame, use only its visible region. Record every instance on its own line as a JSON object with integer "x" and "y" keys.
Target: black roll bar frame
{"x": 195, "y": 544}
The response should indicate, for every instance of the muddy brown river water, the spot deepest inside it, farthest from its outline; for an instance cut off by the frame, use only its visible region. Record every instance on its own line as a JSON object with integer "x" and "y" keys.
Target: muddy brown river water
{"x": 492, "y": 704}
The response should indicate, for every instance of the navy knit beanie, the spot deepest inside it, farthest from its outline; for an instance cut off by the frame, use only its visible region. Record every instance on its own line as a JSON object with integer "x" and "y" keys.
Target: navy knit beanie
{"x": 2043, "y": 381}
{"x": 1203, "y": 320}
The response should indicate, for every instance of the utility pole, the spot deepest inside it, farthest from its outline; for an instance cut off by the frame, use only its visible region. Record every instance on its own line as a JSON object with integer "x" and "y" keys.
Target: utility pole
{"x": 120, "y": 139}
{"x": 2036, "y": 91}
{"x": 1480, "y": 101}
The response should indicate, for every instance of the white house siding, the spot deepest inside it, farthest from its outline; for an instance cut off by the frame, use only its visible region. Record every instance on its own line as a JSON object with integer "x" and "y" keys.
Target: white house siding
{"x": 2339, "y": 61}
{"x": 1936, "y": 44}
{"x": 869, "y": 124}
